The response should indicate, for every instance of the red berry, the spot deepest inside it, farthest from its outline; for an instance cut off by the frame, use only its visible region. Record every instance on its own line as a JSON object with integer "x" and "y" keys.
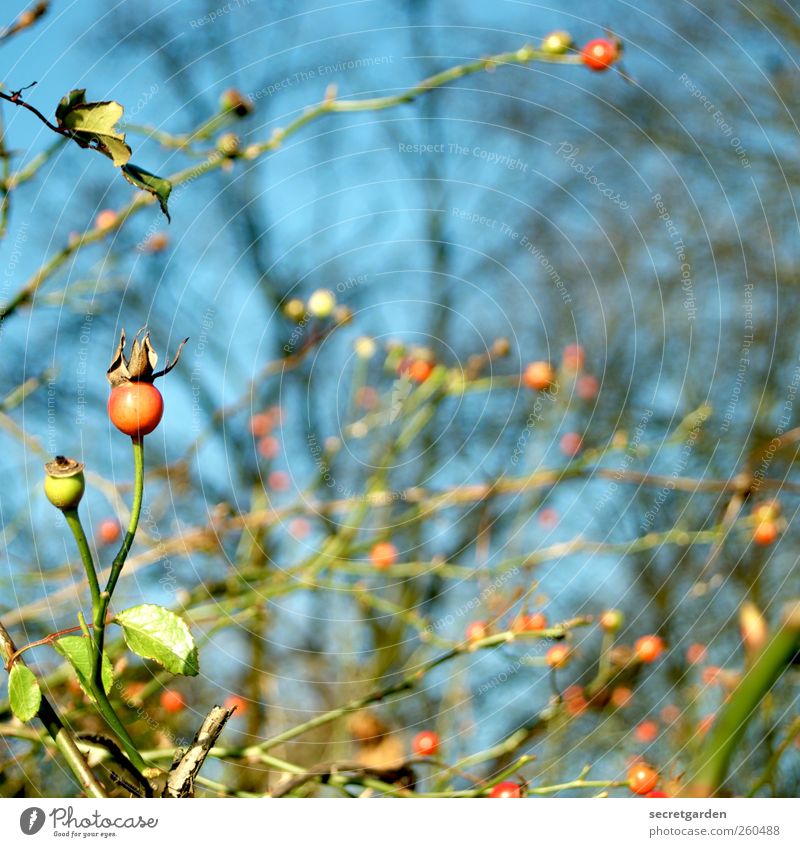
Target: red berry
{"x": 621, "y": 696}
{"x": 426, "y": 743}
{"x": 571, "y": 444}
{"x": 419, "y": 370}
{"x": 135, "y": 408}
{"x": 505, "y": 791}
{"x": 548, "y": 518}
{"x": 652, "y": 795}
{"x": 557, "y": 656}
{"x": 235, "y": 702}
{"x": 573, "y": 358}
{"x": 279, "y": 481}
{"x": 642, "y": 779}
{"x": 599, "y": 54}
{"x": 534, "y": 622}
{"x": 587, "y": 387}
{"x": 261, "y": 424}
{"x": 646, "y": 732}
{"x": 172, "y": 701}
{"x": 300, "y": 528}
{"x": 383, "y": 555}
{"x": 696, "y": 653}
{"x": 765, "y": 533}
{"x": 574, "y": 701}
{"x": 538, "y": 376}
{"x": 648, "y": 648}
{"x": 269, "y": 446}
{"x": 109, "y": 531}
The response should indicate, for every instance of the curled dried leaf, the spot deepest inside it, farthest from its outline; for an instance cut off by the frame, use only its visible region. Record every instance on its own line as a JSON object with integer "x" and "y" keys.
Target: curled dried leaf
{"x": 140, "y": 366}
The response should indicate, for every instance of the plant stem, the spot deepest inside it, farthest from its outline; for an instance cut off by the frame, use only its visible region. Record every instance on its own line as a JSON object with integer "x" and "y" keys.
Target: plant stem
{"x": 122, "y": 555}
{"x": 410, "y": 681}
{"x": 711, "y": 765}
{"x": 99, "y": 609}
{"x": 62, "y": 737}
{"x": 75, "y": 525}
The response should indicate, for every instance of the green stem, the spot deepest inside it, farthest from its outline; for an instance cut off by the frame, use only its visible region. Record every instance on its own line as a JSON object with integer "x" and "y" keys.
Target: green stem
{"x": 74, "y": 523}
{"x": 411, "y": 680}
{"x": 711, "y": 764}
{"x": 119, "y": 560}
{"x": 99, "y": 609}
{"x": 57, "y": 729}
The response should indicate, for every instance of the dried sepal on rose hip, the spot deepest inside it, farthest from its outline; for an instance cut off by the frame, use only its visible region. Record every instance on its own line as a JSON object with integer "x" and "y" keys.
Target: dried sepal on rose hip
{"x": 135, "y": 405}
{"x": 64, "y": 483}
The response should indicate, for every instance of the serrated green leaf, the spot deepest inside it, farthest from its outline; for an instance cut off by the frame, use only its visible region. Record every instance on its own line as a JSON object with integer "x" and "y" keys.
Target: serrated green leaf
{"x": 94, "y": 124}
{"x": 24, "y": 694}
{"x": 156, "y": 185}
{"x": 78, "y": 652}
{"x": 154, "y": 632}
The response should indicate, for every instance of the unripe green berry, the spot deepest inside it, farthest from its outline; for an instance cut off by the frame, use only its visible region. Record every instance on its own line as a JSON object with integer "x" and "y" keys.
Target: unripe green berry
{"x": 321, "y": 303}
{"x": 295, "y": 310}
{"x": 611, "y": 620}
{"x": 557, "y": 43}
{"x": 365, "y": 347}
{"x": 64, "y": 483}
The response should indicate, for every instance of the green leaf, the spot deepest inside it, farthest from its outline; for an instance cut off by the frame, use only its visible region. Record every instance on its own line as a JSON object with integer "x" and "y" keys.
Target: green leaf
{"x": 70, "y": 101}
{"x": 24, "y": 694}
{"x": 156, "y": 185}
{"x": 94, "y": 125}
{"x": 154, "y": 632}
{"x": 78, "y": 652}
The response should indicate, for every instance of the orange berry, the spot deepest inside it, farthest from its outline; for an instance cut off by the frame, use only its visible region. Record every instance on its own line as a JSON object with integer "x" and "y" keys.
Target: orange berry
{"x": 557, "y": 656}
{"x": 765, "y": 533}
{"x": 426, "y": 743}
{"x": 233, "y": 701}
{"x": 279, "y": 481}
{"x": 269, "y": 446}
{"x": 570, "y": 444}
{"x": 105, "y": 219}
{"x": 574, "y": 701}
{"x": 109, "y": 531}
{"x": 477, "y": 630}
{"x": 172, "y": 701}
{"x": 670, "y": 714}
{"x": 300, "y": 528}
{"x": 642, "y": 778}
{"x": 538, "y": 376}
{"x": 505, "y": 791}
{"x": 548, "y": 518}
{"x": 646, "y": 732}
{"x": 648, "y": 648}
{"x": 534, "y": 622}
{"x": 261, "y": 424}
{"x": 621, "y": 697}
{"x": 419, "y": 370}
{"x": 696, "y": 653}
{"x": 383, "y": 555}
{"x": 587, "y": 387}
{"x": 573, "y": 358}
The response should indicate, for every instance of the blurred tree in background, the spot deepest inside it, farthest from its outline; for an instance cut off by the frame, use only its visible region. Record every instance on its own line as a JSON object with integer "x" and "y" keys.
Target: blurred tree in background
{"x": 636, "y": 230}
